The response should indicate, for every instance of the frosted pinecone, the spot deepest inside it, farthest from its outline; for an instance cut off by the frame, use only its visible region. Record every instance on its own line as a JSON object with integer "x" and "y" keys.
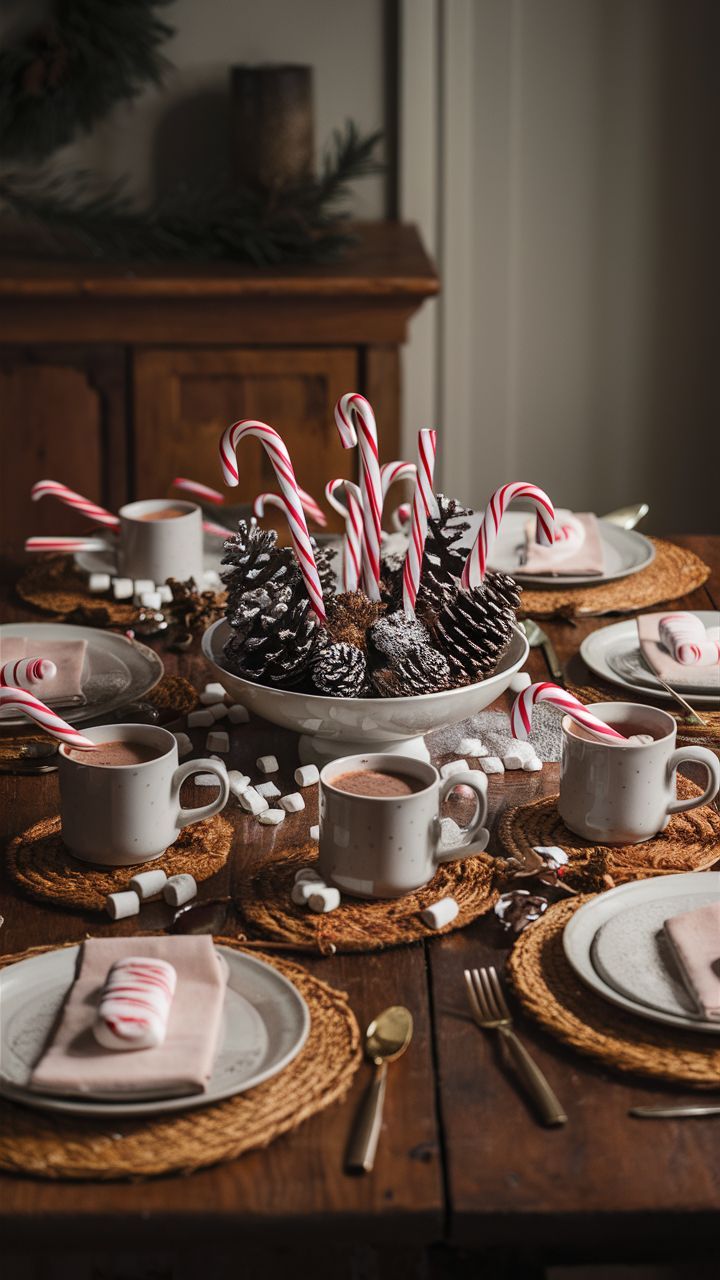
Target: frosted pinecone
{"x": 275, "y": 631}
{"x": 339, "y": 670}
{"x": 420, "y": 670}
{"x": 473, "y": 628}
{"x": 254, "y": 559}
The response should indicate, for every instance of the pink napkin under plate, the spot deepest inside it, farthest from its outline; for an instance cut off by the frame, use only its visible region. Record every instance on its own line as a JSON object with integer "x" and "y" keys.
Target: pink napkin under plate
{"x": 587, "y": 557}
{"x": 695, "y": 939}
{"x": 706, "y": 679}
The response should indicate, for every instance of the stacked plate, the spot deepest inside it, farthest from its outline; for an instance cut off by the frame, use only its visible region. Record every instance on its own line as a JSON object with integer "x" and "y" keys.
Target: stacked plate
{"x": 625, "y": 551}
{"x": 614, "y": 654}
{"x": 617, "y": 945}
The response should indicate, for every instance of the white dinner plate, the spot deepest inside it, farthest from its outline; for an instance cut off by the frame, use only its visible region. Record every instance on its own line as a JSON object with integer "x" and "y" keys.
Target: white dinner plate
{"x": 582, "y": 931}
{"x": 117, "y": 670}
{"x": 613, "y": 653}
{"x": 266, "y": 1024}
{"x": 625, "y": 551}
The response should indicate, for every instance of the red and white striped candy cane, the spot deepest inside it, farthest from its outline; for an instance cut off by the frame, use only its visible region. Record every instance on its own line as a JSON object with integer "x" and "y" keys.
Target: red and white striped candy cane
{"x": 312, "y": 510}
{"x": 476, "y": 564}
{"x": 276, "y": 450}
{"x": 26, "y": 672}
{"x": 135, "y": 1003}
{"x": 401, "y": 516}
{"x": 356, "y": 424}
{"x": 352, "y": 513}
{"x": 67, "y": 544}
{"x": 202, "y": 491}
{"x": 215, "y": 530}
{"x": 44, "y": 716}
{"x": 423, "y": 502}
{"x": 52, "y": 488}
{"x": 522, "y": 709}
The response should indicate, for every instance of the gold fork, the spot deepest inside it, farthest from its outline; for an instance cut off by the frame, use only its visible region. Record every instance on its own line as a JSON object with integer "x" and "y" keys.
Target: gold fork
{"x": 490, "y": 1011}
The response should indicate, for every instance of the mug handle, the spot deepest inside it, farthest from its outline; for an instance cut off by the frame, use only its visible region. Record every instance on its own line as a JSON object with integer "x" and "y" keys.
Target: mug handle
{"x": 183, "y": 771}
{"x": 470, "y": 845}
{"x": 710, "y": 763}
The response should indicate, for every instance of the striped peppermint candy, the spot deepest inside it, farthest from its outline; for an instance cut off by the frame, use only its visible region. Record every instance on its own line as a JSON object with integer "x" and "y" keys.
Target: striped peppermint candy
{"x": 476, "y": 564}
{"x": 522, "y": 710}
{"x": 53, "y": 488}
{"x": 352, "y": 513}
{"x": 276, "y": 450}
{"x": 59, "y": 543}
{"x": 423, "y": 502}
{"x": 135, "y": 1004}
{"x": 685, "y": 637}
{"x": 49, "y": 720}
{"x": 202, "y": 491}
{"x": 309, "y": 506}
{"x": 26, "y": 672}
{"x": 215, "y": 530}
{"x": 356, "y": 424}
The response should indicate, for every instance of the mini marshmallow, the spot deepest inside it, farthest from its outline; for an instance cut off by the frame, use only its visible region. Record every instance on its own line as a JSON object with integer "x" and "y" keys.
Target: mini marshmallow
{"x": 212, "y": 693}
{"x": 293, "y": 803}
{"x": 552, "y": 852}
{"x": 239, "y": 782}
{"x": 314, "y": 833}
{"x": 198, "y": 719}
{"x": 99, "y": 582}
{"x": 180, "y": 889}
{"x": 472, "y": 747}
{"x": 122, "y": 588}
{"x": 148, "y": 883}
{"x": 143, "y": 584}
{"x": 518, "y": 751}
{"x": 150, "y": 600}
{"x": 218, "y": 710}
{"x": 449, "y": 832}
{"x": 206, "y": 780}
{"x": 521, "y": 680}
{"x": 267, "y": 764}
{"x": 492, "y": 764}
{"x": 324, "y": 899}
{"x": 640, "y": 739}
{"x": 217, "y": 740}
{"x": 453, "y": 766}
{"x": 238, "y": 714}
{"x": 303, "y": 890}
{"x": 306, "y": 775}
{"x": 121, "y": 905}
{"x": 211, "y": 578}
{"x": 308, "y": 873}
{"x": 184, "y": 745}
{"x": 253, "y": 802}
{"x": 271, "y": 817}
{"x": 440, "y": 913}
{"x": 268, "y": 790}
{"x": 533, "y": 766}
{"x": 165, "y": 593}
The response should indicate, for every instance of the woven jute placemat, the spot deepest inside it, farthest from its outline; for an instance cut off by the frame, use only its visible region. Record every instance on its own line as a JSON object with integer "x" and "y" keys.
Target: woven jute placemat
{"x": 600, "y": 691}
{"x": 39, "y": 863}
{"x": 550, "y": 992}
{"x": 263, "y": 900}
{"x": 46, "y": 1145}
{"x": 56, "y": 586}
{"x": 690, "y": 842}
{"x": 674, "y": 572}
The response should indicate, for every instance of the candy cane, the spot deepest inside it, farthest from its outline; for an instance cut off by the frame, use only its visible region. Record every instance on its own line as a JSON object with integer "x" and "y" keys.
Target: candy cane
{"x": 44, "y": 716}
{"x": 67, "y": 544}
{"x": 135, "y": 1004}
{"x": 26, "y": 671}
{"x": 277, "y": 452}
{"x": 356, "y": 424}
{"x": 685, "y": 637}
{"x": 87, "y": 508}
{"x": 522, "y": 709}
{"x": 199, "y": 490}
{"x": 352, "y": 514}
{"x": 309, "y": 506}
{"x": 476, "y": 563}
{"x": 215, "y": 530}
{"x": 422, "y": 503}
{"x": 400, "y": 516}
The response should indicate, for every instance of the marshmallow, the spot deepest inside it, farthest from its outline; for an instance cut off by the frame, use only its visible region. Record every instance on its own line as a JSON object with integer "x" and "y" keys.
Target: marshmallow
{"x": 472, "y": 747}
{"x": 293, "y": 803}
{"x": 308, "y": 873}
{"x": 640, "y": 739}
{"x": 211, "y": 578}
{"x": 206, "y": 780}
{"x": 150, "y": 600}
{"x": 314, "y": 832}
{"x": 440, "y": 913}
{"x": 453, "y": 766}
{"x": 184, "y": 745}
{"x": 135, "y": 1004}
{"x": 148, "y": 883}
{"x": 121, "y": 905}
{"x": 532, "y": 766}
{"x": 303, "y": 890}
{"x": 141, "y": 585}
{"x": 268, "y": 790}
{"x": 99, "y": 582}
{"x": 217, "y": 740}
{"x": 552, "y": 852}
{"x": 267, "y": 764}
{"x": 122, "y": 588}
{"x": 238, "y": 714}
{"x": 198, "y": 719}
{"x": 165, "y": 593}
{"x": 271, "y": 817}
{"x": 212, "y": 693}
{"x": 253, "y": 802}
{"x": 324, "y": 899}
{"x": 218, "y": 710}
{"x": 306, "y": 775}
{"x": 492, "y": 764}
{"x": 180, "y": 889}
{"x": 449, "y": 832}
{"x": 521, "y": 680}
{"x": 239, "y": 782}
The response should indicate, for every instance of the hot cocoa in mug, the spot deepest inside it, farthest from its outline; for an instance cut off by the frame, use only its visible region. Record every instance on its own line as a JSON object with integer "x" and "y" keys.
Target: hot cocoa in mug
{"x": 161, "y": 538}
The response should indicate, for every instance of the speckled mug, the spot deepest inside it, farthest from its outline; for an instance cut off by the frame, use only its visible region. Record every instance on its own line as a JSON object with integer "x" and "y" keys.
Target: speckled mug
{"x": 618, "y": 794}
{"x": 161, "y": 549}
{"x": 386, "y": 846}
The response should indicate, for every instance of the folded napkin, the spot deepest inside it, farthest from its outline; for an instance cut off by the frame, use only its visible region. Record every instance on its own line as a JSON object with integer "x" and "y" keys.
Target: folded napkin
{"x": 578, "y": 550}
{"x": 695, "y": 938}
{"x": 65, "y": 688}
{"x": 73, "y": 1063}
{"x": 706, "y": 678}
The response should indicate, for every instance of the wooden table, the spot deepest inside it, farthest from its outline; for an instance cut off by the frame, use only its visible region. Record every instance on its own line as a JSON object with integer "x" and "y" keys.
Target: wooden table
{"x": 462, "y": 1164}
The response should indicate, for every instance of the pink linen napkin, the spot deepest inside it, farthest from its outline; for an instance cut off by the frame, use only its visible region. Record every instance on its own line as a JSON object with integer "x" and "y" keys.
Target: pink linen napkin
{"x": 695, "y": 938}
{"x": 583, "y": 556}
{"x": 64, "y": 689}
{"x": 73, "y": 1063}
{"x": 677, "y": 675}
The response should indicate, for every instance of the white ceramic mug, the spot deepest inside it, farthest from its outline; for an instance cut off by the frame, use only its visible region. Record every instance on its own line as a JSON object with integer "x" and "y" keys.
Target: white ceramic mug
{"x": 386, "y": 846}
{"x": 119, "y": 815}
{"x": 161, "y": 549}
{"x": 619, "y": 794}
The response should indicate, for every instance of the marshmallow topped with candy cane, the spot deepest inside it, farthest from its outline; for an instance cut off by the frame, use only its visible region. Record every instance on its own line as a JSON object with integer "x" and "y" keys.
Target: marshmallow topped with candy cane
{"x": 685, "y": 637}
{"x": 135, "y": 1004}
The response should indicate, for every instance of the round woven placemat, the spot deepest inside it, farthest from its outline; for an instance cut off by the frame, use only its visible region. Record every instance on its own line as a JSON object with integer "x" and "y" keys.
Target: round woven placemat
{"x": 674, "y": 572}
{"x": 359, "y": 925}
{"x": 56, "y": 586}
{"x": 39, "y": 863}
{"x": 45, "y": 1145}
{"x": 549, "y": 991}
{"x": 690, "y": 842}
{"x": 708, "y": 733}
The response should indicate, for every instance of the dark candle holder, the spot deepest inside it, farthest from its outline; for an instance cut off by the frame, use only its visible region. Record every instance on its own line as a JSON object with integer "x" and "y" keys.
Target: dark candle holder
{"x": 272, "y": 125}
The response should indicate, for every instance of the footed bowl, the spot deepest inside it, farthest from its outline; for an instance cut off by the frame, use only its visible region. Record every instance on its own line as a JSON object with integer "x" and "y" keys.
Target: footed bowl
{"x": 335, "y": 727}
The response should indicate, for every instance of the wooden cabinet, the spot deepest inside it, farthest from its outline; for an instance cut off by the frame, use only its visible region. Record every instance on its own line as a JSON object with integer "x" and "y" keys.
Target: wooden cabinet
{"x": 114, "y": 380}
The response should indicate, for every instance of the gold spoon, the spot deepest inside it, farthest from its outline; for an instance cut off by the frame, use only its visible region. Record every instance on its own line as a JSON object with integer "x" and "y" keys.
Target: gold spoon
{"x": 385, "y": 1040}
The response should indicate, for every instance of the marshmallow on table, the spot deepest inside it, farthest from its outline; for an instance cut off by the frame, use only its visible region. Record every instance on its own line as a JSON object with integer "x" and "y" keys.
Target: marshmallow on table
{"x": 210, "y": 577}
{"x": 253, "y": 802}
{"x": 306, "y": 775}
{"x": 533, "y": 766}
{"x": 212, "y": 693}
{"x": 325, "y": 898}
{"x": 292, "y": 803}
{"x": 165, "y": 593}
{"x": 521, "y": 680}
{"x": 268, "y": 790}
{"x": 449, "y": 832}
{"x": 302, "y": 890}
{"x": 314, "y": 832}
{"x": 518, "y": 753}
{"x": 218, "y": 710}
{"x": 184, "y": 745}
{"x": 440, "y": 913}
{"x": 122, "y": 588}
{"x": 180, "y": 889}
{"x": 135, "y": 1004}
{"x": 267, "y": 764}
{"x": 200, "y": 719}
{"x": 206, "y": 780}
{"x": 239, "y": 782}
{"x": 150, "y": 600}
{"x": 453, "y": 766}
{"x": 308, "y": 873}
{"x": 238, "y": 714}
{"x": 99, "y": 582}
{"x": 217, "y": 740}
{"x": 271, "y": 817}
{"x": 492, "y": 764}
{"x": 472, "y": 747}
{"x": 148, "y": 883}
{"x": 121, "y": 905}
{"x": 143, "y": 584}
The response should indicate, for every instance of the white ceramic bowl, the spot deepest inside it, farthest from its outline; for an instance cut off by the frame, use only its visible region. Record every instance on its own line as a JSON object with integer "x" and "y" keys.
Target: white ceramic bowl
{"x": 334, "y": 727}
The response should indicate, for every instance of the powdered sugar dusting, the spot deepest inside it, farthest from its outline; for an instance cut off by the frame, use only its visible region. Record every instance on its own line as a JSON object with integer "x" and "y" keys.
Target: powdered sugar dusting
{"x": 493, "y": 728}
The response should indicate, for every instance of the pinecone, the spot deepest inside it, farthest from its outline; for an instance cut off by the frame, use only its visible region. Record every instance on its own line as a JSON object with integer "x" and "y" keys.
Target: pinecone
{"x": 349, "y": 617}
{"x": 419, "y": 670}
{"x": 339, "y": 670}
{"x": 395, "y": 634}
{"x": 190, "y": 610}
{"x": 444, "y": 558}
{"x": 275, "y": 634}
{"x": 473, "y": 628}
{"x": 255, "y": 560}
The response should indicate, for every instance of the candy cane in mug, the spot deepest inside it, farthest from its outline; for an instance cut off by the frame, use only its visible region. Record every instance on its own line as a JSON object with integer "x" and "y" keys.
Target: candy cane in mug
{"x": 476, "y": 564}
{"x": 29, "y": 705}
{"x": 352, "y": 514}
{"x": 522, "y": 711}
{"x": 423, "y": 502}
{"x": 277, "y": 452}
{"x": 52, "y": 488}
{"x": 26, "y": 672}
{"x": 356, "y": 424}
